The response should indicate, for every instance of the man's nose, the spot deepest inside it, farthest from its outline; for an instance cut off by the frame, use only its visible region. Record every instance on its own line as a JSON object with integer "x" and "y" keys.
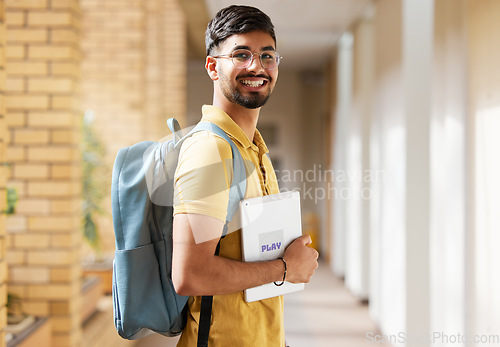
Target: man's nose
{"x": 255, "y": 63}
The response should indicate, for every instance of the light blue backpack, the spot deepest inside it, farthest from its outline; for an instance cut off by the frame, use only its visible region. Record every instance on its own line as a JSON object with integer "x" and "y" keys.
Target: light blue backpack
{"x": 144, "y": 298}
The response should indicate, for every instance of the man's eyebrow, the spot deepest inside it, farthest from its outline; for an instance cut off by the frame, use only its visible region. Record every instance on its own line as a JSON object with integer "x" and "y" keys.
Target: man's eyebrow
{"x": 266, "y": 48}
{"x": 240, "y": 47}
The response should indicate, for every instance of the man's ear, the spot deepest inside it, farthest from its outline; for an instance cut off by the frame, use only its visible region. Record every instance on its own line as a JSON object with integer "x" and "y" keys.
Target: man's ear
{"x": 211, "y": 67}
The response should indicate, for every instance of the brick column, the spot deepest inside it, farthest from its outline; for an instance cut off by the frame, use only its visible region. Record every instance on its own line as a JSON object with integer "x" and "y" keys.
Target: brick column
{"x": 133, "y": 75}
{"x": 43, "y": 117}
{"x": 3, "y": 176}
{"x": 166, "y": 67}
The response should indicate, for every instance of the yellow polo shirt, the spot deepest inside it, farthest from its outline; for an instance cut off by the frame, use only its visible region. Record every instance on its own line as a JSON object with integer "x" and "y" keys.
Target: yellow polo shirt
{"x": 202, "y": 181}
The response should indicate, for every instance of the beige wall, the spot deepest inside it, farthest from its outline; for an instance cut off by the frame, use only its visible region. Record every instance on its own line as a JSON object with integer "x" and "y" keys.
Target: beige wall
{"x": 314, "y": 111}
{"x": 330, "y": 138}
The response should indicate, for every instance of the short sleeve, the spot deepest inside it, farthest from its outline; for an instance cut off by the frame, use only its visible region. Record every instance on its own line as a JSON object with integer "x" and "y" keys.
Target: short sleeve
{"x": 203, "y": 176}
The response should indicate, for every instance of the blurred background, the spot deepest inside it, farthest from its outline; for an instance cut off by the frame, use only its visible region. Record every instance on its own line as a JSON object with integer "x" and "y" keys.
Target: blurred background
{"x": 386, "y": 117}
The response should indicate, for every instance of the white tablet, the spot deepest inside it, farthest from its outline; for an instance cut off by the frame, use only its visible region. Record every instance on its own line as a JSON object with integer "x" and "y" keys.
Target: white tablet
{"x": 269, "y": 224}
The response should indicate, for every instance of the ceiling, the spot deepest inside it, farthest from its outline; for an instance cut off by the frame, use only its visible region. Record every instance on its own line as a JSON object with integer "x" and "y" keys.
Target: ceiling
{"x": 307, "y": 31}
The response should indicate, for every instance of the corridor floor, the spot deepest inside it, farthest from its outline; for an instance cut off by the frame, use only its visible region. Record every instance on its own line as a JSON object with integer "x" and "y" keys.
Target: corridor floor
{"x": 325, "y": 314}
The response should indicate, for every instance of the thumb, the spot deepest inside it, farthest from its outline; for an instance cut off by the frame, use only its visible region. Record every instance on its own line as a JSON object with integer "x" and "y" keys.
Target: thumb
{"x": 306, "y": 239}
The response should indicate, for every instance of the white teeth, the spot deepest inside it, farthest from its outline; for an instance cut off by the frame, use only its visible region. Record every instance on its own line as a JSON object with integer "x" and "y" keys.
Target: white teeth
{"x": 252, "y": 83}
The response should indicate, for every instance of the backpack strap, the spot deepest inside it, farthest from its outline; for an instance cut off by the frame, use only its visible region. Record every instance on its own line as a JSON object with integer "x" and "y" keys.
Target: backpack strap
{"x": 175, "y": 128}
{"x": 236, "y": 194}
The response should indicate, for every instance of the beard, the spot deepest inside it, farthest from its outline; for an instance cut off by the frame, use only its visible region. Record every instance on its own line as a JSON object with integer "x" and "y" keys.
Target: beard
{"x": 252, "y": 100}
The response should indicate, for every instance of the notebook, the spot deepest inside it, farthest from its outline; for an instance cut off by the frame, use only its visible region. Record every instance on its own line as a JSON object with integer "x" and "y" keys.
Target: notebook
{"x": 269, "y": 224}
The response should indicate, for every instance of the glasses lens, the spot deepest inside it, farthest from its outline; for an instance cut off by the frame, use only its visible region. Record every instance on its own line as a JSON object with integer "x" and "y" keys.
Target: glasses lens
{"x": 241, "y": 58}
{"x": 269, "y": 59}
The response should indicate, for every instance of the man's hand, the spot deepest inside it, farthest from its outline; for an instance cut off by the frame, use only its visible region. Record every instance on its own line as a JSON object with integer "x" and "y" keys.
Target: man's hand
{"x": 197, "y": 271}
{"x": 301, "y": 260}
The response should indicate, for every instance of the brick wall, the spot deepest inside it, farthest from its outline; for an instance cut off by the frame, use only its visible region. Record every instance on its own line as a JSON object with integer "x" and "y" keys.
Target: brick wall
{"x": 43, "y": 119}
{"x": 3, "y": 175}
{"x": 133, "y": 75}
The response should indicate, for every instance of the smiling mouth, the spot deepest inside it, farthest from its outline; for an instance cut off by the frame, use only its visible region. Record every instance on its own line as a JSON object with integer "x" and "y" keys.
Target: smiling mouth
{"x": 253, "y": 83}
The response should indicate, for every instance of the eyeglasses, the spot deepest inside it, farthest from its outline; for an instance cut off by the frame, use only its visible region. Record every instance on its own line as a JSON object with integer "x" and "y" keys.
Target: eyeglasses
{"x": 242, "y": 58}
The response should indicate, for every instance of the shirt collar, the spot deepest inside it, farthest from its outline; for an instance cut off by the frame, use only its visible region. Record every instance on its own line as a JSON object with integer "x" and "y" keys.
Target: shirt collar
{"x": 259, "y": 141}
{"x": 215, "y": 115}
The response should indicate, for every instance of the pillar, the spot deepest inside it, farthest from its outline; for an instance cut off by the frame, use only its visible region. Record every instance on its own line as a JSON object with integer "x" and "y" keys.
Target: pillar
{"x": 418, "y": 20}
{"x": 358, "y": 160}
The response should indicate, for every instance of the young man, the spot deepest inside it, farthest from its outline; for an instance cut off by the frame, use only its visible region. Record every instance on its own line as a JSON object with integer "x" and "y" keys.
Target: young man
{"x": 243, "y": 64}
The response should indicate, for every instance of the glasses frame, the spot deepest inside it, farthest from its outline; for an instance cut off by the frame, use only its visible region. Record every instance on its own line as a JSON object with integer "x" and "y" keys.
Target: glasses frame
{"x": 230, "y": 56}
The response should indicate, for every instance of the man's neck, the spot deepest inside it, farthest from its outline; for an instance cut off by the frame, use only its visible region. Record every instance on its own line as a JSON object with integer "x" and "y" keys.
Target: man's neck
{"x": 245, "y": 118}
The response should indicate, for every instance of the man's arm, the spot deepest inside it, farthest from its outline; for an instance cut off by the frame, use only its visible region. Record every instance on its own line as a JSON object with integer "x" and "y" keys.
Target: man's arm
{"x": 197, "y": 271}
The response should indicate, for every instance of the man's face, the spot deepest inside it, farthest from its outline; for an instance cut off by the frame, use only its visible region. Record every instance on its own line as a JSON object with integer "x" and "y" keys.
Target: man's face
{"x": 249, "y": 87}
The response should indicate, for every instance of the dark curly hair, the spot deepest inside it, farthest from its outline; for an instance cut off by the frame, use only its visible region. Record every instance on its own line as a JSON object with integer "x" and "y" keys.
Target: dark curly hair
{"x": 236, "y": 19}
